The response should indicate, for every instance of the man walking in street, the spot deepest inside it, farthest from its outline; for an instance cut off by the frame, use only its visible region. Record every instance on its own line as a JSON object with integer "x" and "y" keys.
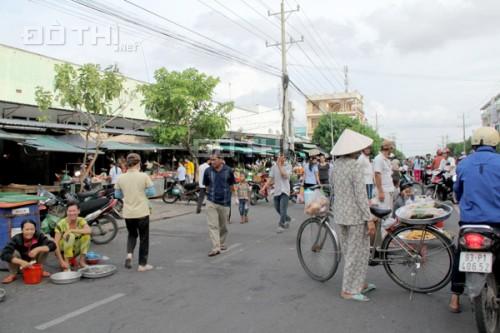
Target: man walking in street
{"x": 219, "y": 181}
{"x": 201, "y": 172}
{"x": 280, "y": 177}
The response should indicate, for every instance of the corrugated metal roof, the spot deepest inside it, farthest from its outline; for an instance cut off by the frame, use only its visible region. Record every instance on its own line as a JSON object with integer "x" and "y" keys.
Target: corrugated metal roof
{"x": 50, "y": 143}
{"x": 37, "y": 124}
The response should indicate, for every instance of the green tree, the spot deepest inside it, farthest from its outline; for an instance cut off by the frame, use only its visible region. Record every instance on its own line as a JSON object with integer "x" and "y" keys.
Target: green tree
{"x": 458, "y": 147}
{"x": 98, "y": 96}
{"x": 182, "y": 103}
{"x": 335, "y": 124}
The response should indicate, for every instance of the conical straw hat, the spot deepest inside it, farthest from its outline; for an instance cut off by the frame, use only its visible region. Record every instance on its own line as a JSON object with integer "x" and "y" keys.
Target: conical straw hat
{"x": 350, "y": 142}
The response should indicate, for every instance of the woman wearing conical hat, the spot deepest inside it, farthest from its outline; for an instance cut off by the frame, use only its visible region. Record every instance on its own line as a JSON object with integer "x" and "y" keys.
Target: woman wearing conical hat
{"x": 352, "y": 213}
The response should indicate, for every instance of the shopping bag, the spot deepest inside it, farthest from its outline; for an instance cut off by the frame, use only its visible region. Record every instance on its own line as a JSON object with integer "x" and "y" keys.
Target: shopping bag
{"x": 316, "y": 203}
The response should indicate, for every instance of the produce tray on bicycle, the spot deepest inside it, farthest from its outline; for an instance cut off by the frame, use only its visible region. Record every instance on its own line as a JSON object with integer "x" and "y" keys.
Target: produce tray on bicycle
{"x": 424, "y": 212}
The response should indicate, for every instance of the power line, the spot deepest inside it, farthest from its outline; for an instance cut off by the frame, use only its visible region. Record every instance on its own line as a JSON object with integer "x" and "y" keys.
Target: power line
{"x": 277, "y": 26}
{"x": 182, "y": 26}
{"x": 244, "y": 20}
{"x": 312, "y": 62}
{"x": 183, "y": 39}
{"x": 312, "y": 36}
{"x": 320, "y": 37}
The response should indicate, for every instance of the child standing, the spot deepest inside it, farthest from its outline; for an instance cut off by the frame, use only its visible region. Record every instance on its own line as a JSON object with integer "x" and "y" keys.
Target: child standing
{"x": 243, "y": 193}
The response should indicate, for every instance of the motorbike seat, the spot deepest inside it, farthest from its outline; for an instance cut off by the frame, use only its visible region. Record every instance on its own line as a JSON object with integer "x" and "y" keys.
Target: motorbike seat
{"x": 481, "y": 228}
{"x": 84, "y": 195}
{"x": 190, "y": 186}
{"x": 380, "y": 212}
{"x": 92, "y": 205}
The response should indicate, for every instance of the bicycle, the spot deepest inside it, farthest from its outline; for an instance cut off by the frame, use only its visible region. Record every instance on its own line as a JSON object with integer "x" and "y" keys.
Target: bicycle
{"x": 406, "y": 252}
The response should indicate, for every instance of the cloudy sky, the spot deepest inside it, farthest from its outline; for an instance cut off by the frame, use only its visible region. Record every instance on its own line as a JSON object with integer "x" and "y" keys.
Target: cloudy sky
{"x": 420, "y": 64}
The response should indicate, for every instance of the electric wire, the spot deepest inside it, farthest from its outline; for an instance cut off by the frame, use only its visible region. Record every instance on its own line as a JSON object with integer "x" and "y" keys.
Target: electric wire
{"x": 182, "y": 39}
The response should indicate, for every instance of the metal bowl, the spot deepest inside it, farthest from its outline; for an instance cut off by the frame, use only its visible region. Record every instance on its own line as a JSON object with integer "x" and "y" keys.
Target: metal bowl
{"x": 65, "y": 277}
{"x": 98, "y": 271}
{"x": 2, "y": 294}
{"x": 448, "y": 210}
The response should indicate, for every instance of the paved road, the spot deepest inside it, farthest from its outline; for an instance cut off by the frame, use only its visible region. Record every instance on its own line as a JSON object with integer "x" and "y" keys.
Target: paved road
{"x": 256, "y": 286}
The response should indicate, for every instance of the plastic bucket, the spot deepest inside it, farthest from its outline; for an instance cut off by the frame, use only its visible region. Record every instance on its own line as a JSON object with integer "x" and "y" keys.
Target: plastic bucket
{"x": 32, "y": 274}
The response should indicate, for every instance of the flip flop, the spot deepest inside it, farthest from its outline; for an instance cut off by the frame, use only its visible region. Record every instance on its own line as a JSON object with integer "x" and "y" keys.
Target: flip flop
{"x": 356, "y": 297}
{"x": 369, "y": 287}
{"x": 213, "y": 253}
{"x": 9, "y": 279}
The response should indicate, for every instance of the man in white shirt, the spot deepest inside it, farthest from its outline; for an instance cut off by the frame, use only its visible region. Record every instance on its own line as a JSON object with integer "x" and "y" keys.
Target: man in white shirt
{"x": 181, "y": 173}
{"x": 114, "y": 172}
{"x": 201, "y": 172}
{"x": 364, "y": 162}
{"x": 383, "y": 181}
{"x": 383, "y": 175}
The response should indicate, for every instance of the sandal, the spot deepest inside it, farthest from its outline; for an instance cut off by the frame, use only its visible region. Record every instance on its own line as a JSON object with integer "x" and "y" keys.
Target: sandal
{"x": 369, "y": 287}
{"x": 9, "y": 279}
{"x": 45, "y": 274}
{"x": 355, "y": 297}
{"x": 223, "y": 247}
{"x": 213, "y": 253}
{"x": 128, "y": 263}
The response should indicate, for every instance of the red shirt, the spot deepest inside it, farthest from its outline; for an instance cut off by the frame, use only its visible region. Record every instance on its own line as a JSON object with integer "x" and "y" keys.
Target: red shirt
{"x": 436, "y": 162}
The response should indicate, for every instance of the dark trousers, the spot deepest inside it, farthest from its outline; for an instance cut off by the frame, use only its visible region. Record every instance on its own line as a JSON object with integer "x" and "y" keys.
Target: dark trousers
{"x": 281, "y": 206}
{"x": 457, "y": 277}
{"x": 201, "y": 197}
{"x": 138, "y": 227}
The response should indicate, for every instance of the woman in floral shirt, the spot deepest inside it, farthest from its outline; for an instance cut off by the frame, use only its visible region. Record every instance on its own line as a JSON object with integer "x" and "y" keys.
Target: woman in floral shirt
{"x": 352, "y": 213}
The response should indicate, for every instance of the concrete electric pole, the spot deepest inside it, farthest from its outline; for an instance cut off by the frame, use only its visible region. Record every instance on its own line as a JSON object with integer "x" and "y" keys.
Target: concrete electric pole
{"x": 286, "y": 122}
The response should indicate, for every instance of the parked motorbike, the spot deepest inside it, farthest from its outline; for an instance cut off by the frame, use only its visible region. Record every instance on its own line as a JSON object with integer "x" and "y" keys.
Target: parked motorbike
{"x": 480, "y": 245}
{"x": 427, "y": 175}
{"x": 295, "y": 191}
{"x": 441, "y": 187}
{"x": 255, "y": 195}
{"x": 418, "y": 189}
{"x": 175, "y": 191}
{"x": 107, "y": 191}
{"x": 97, "y": 212}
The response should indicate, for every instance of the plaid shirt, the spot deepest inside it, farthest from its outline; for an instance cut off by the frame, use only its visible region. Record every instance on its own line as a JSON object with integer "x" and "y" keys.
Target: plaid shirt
{"x": 243, "y": 191}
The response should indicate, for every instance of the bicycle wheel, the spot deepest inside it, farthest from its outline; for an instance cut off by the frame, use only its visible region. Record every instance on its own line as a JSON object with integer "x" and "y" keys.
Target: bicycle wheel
{"x": 318, "y": 250}
{"x": 418, "y": 258}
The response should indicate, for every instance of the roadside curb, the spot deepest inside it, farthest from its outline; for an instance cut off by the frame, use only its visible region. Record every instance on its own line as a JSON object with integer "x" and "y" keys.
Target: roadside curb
{"x": 121, "y": 222}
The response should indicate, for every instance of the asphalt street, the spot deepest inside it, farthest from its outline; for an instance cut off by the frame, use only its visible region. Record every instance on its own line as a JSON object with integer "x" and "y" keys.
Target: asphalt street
{"x": 257, "y": 285}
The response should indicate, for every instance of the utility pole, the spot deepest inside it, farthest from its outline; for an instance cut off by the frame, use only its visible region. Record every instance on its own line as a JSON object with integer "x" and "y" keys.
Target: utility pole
{"x": 463, "y": 131}
{"x": 285, "y": 124}
{"x": 376, "y": 121}
{"x": 346, "y": 78}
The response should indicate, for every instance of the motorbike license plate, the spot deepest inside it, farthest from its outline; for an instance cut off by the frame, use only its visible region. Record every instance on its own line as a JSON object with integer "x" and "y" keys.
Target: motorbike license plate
{"x": 476, "y": 262}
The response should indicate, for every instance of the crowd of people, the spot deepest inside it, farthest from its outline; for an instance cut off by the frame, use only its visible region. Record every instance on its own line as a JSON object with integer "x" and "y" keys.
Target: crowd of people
{"x": 356, "y": 181}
